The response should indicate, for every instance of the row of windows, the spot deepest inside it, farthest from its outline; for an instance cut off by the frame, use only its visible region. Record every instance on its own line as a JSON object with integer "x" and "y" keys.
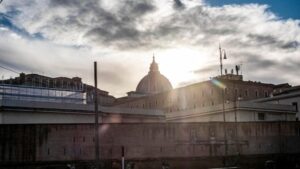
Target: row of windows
{"x": 64, "y": 151}
{"x": 155, "y": 104}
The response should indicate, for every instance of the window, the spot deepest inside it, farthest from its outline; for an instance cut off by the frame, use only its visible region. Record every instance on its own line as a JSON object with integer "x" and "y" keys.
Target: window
{"x": 295, "y": 104}
{"x": 261, "y": 116}
{"x": 266, "y": 94}
{"x": 246, "y": 93}
{"x": 256, "y": 93}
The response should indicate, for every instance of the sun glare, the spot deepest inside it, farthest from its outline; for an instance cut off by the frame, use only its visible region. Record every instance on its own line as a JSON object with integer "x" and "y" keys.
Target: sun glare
{"x": 179, "y": 65}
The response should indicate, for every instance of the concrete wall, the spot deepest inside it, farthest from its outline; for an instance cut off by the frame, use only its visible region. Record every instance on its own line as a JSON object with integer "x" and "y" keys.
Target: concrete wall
{"x": 241, "y": 116}
{"x": 42, "y": 117}
{"x": 146, "y": 141}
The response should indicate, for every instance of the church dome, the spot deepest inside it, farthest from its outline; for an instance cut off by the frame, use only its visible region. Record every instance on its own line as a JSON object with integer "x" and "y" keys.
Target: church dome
{"x": 153, "y": 82}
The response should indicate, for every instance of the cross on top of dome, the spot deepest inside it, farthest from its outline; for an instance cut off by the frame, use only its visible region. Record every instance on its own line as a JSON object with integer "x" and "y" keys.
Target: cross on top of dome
{"x": 154, "y": 65}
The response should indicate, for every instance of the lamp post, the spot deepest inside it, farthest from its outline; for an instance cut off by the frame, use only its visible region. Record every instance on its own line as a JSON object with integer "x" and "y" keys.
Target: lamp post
{"x": 222, "y": 56}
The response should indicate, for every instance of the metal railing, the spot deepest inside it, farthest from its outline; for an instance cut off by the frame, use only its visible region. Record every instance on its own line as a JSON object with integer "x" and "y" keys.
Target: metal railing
{"x": 42, "y": 94}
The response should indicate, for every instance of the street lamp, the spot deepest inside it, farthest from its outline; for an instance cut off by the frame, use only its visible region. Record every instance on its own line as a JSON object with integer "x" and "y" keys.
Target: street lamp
{"x": 222, "y": 56}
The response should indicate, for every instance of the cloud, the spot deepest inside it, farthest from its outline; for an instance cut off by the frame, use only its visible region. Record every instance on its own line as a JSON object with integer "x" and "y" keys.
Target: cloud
{"x": 260, "y": 40}
{"x": 178, "y": 4}
{"x": 71, "y": 30}
{"x": 205, "y": 70}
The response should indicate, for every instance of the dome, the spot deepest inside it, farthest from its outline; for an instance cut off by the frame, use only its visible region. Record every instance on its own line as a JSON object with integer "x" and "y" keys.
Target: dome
{"x": 153, "y": 82}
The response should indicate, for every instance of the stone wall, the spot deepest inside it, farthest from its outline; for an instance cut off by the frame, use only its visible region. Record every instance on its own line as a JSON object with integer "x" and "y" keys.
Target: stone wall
{"x": 146, "y": 142}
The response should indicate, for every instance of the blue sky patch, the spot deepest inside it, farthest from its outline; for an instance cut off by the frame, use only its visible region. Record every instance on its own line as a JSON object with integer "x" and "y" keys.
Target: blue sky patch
{"x": 284, "y": 9}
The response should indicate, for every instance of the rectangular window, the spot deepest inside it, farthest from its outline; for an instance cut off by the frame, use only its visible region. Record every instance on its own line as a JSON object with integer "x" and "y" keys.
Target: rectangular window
{"x": 261, "y": 116}
{"x": 246, "y": 93}
{"x": 295, "y": 104}
{"x": 266, "y": 94}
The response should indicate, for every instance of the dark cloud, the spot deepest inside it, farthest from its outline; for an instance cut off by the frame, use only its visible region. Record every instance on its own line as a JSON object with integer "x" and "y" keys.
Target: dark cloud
{"x": 291, "y": 45}
{"x": 143, "y": 8}
{"x": 206, "y": 70}
{"x": 119, "y": 29}
{"x": 260, "y": 40}
{"x": 257, "y": 62}
{"x": 263, "y": 39}
{"x": 178, "y": 4}
{"x": 67, "y": 3}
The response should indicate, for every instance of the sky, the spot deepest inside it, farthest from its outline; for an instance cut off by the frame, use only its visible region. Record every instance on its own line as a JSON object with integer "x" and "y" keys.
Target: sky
{"x": 64, "y": 37}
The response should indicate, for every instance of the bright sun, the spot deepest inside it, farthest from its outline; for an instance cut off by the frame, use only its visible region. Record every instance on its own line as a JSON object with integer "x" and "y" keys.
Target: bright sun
{"x": 179, "y": 65}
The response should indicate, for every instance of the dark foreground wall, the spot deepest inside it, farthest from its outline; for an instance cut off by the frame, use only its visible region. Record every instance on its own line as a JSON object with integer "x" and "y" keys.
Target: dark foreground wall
{"x": 181, "y": 145}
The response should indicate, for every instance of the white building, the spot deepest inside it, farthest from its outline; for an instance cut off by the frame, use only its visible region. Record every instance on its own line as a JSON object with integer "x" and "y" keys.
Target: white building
{"x": 289, "y": 96}
{"x": 242, "y": 111}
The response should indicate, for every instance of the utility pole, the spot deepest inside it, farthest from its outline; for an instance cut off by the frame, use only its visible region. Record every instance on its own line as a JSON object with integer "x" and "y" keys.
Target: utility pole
{"x": 96, "y": 127}
{"x": 221, "y": 65}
